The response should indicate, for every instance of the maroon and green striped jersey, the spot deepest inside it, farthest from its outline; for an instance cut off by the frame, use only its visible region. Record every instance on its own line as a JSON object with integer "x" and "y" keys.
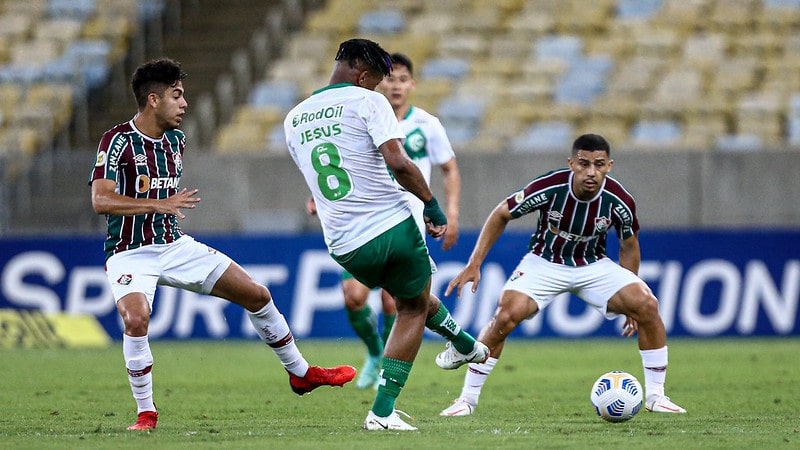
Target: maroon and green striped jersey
{"x": 142, "y": 167}
{"x": 572, "y": 231}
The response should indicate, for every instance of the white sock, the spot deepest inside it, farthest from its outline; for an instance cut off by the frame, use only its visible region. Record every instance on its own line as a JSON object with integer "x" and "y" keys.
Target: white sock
{"x": 139, "y": 362}
{"x": 655, "y": 370}
{"x": 271, "y": 326}
{"x": 475, "y": 378}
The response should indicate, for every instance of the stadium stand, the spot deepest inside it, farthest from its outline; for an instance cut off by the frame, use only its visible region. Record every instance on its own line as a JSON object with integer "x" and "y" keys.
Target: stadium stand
{"x": 506, "y": 76}
{"x": 708, "y": 68}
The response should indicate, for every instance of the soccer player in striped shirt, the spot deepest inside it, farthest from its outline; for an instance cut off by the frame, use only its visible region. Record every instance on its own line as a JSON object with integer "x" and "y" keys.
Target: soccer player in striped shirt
{"x": 134, "y": 183}
{"x": 577, "y": 207}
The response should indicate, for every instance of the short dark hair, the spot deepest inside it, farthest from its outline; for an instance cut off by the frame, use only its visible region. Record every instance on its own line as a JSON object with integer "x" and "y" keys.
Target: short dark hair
{"x": 399, "y": 59}
{"x": 364, "y": 51}
{"x": 155, "y": 76}
{"x": 590, "y": 142}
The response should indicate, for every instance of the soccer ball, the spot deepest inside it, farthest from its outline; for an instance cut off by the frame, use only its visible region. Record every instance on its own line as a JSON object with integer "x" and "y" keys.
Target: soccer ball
{"x": 616, "y": 396}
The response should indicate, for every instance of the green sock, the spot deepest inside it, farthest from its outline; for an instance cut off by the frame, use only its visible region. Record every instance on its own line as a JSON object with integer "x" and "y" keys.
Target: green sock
{"x": 442, "y": 323}
{"x": 365, "y": 324}
{"x": 388, "y": 321}
{"x": 394, "y": 374}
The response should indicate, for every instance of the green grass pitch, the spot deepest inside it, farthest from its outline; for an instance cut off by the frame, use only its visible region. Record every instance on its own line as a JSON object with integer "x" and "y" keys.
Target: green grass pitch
{"x": 739, "y": 393}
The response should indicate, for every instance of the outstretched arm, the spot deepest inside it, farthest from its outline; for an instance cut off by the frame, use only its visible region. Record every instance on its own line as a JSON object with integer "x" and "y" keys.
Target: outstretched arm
{"x": 629, "y": 257}
{"x": 408, "y": 175}
{"x": 629, "y": 253}
{"x": 495, "y": 225}
{"x": 105, "y": 200}
{"x": 452, "y": 192}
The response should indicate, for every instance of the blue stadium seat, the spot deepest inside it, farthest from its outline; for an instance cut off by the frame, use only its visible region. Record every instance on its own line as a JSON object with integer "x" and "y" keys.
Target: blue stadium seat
{"x": 75, "y": 9}
{"x": 564, "y": 47}
{"x": 149, "y": 9}
{"x": 547, "y": 136}
{"x": 281, "y": 94}
{"x": 90, "y": 56}
{"x": 739, "y": 143}
{"x": 461, "y": 117}
{"x": 383, "y": 21}
{"x": 451, "y": 68}
{"x": 584, "y": 80}
{"x": 793, "y": 130}
{"x": 782, "y": 4}
{"x": 21, "y": 73}
{"x": 655, "y": 133}
{"x": 638, "y": 9}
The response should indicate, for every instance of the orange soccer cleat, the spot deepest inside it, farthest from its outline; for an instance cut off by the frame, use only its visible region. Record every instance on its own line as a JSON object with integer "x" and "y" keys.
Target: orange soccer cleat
{"x": 321, "y": 376}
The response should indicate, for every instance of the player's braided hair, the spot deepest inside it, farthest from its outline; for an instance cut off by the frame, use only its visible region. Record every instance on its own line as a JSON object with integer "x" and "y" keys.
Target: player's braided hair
{"x": 591, "y": 142}
{"x": 364, "y": 51}
{"x": 155, "y": 76}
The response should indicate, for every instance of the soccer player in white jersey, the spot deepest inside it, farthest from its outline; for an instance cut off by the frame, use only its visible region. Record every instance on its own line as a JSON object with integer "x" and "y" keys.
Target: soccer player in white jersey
{"x": 343, "y": 138}
{"x": 427, "y": 145}
{"x": 134, "y": 183}
{"x": 577, "y": 207}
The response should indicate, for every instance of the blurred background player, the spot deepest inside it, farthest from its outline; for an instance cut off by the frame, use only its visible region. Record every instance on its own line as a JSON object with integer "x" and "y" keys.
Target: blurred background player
{"x": 427, "y": 145}
{"x": 577, "y": 207}
{"x": 342, "y": 139}
{"x": 134, "y": 182}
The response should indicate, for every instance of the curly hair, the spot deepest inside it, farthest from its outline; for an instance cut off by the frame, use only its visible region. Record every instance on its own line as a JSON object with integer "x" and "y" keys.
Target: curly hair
{"x": 154, "y": 77}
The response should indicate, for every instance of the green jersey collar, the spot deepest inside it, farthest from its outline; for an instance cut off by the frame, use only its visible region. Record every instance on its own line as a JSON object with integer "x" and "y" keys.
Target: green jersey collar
{"x": 332, "y": 86}
{"x": 408, "y": 113}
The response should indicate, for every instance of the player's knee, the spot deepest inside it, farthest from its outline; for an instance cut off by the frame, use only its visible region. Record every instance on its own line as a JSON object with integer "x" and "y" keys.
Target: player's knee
{"x": 136, "y": 324}
{"x": 647, "y": 309}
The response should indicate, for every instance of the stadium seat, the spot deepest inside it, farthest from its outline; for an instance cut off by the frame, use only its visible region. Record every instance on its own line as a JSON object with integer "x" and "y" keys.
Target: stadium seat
{"x": 637, "y": 9}
{"x": 566, "y": 48}
{"x": 91, "y": 58}
{"x": 452, "y": 68}
{"x": 382, "y": 21}
{"x": 738, "y": 143}
{"x": 73, "y": 9}
{"x": 283, "y": 94}
{"x": 655, "y": 134}
{"x": 550, "y": 136}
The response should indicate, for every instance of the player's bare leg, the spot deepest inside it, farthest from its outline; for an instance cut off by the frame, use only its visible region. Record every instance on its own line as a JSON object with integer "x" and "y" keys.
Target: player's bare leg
{"x": 512, "y": 308}
{"x": 237, "y": 286}
{"x": 638, "y": 303}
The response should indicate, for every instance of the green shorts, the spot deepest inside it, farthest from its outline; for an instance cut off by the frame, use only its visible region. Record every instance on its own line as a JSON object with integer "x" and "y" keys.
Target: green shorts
{"x": 397, "y": 261}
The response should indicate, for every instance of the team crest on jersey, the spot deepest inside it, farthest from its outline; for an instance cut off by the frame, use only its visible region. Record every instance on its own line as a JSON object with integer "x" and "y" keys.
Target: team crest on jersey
{"x": 140, "y": 160}
{"x": 178, "y": 162}
{"x": 101, "y": 159}
{"x": 601, "y": 224}
{"x": 515, "y": 275}
{"x": 415, "y": 144}
{"x": 125, "y": 279}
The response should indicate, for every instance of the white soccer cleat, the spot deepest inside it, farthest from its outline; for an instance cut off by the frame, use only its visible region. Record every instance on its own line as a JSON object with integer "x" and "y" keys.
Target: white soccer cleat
{"x": 662, "y": 404}
{"x": 460, "y": 407}
{"x": 450, "y": 358}
{"x": 391, "y": 423}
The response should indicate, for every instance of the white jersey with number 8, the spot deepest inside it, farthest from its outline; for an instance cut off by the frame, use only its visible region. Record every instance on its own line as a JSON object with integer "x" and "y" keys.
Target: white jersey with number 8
{"x": 333, "y": 137}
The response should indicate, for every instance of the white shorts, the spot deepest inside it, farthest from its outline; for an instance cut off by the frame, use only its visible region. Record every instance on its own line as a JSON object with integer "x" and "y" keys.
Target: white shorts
{"x": 594, "y": 283}
{"x": 185, "y": 264}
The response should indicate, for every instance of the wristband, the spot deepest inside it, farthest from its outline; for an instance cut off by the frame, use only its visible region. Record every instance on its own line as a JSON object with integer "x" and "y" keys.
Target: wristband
{"x": 434, "y": 213}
